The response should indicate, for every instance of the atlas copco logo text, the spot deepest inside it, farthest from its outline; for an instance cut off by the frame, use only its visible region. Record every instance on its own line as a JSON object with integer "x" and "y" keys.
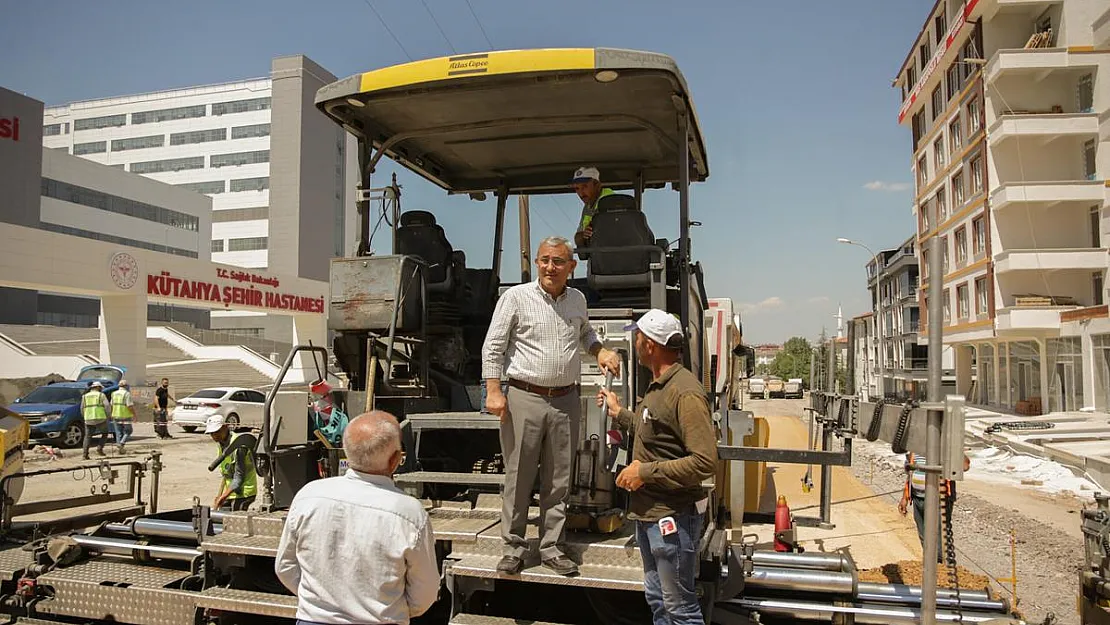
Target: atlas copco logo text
{"x": 9, "y": 128}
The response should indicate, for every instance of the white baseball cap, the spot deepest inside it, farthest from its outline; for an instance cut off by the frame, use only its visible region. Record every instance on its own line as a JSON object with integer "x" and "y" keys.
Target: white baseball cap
{"x": 96, "y": 384}
{"x": 214, "y": 423}
{"x": 658, "y": 325}
{"x": 585, "y": 174}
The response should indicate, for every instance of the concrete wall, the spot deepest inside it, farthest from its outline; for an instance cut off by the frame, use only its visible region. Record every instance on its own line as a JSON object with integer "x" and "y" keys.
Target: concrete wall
{"x": 20, "y": 158}
{"x": 308, "y": 158}
{"x": 1075, "y": 284}
{"x": 1043, "y": 227}
{"x": 1032, "y": 160}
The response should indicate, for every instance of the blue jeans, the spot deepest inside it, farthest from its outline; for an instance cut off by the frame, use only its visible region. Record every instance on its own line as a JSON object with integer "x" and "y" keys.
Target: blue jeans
{"x": 124, "y": 429}
{"x": 670, "y": 566}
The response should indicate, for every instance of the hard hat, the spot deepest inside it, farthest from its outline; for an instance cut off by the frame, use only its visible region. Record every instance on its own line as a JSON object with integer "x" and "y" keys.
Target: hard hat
{"x": 214, "y": 423}
{"x": 123, "y": 383}
{"x": 96, "y": 384}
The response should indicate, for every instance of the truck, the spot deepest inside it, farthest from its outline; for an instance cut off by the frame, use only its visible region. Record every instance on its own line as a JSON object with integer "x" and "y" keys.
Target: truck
{"x": 775, "y": 387}
{"x": 408, "y": 328}
{"x": 794, "y": 389}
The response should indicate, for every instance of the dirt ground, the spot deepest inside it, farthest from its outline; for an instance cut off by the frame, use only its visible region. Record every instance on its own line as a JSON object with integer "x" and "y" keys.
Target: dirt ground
{"x": 184, "y": 475}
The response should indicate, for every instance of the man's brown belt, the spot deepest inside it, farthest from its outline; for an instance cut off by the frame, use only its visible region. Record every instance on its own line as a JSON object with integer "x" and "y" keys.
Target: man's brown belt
{"x": 546, "y": 391}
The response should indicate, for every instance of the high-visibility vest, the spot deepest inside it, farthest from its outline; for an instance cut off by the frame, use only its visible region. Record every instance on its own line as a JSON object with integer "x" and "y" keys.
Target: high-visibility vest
{"x": 227, "y": 470}
{"x": 588, "y": 212}
{"x": 92, "y": 407}
{"x": 121, "y": 411}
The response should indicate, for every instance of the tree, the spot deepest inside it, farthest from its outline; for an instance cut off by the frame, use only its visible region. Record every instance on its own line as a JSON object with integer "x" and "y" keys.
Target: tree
{"x": 793, "y": 360}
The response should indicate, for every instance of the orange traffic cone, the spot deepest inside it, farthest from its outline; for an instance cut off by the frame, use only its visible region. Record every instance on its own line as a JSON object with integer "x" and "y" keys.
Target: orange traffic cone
{"x": 783, "y": 523}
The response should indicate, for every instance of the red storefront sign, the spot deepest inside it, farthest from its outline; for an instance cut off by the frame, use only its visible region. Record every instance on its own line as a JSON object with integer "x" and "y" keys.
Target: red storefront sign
{"x": 165, "y": 284}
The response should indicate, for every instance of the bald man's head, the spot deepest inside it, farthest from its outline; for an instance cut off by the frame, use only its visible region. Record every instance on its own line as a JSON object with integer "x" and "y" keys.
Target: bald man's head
{"x": 372, "y": 442}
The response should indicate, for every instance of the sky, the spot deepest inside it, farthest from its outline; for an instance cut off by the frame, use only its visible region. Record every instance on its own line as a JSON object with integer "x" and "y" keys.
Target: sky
{"x": 794, "y": 99}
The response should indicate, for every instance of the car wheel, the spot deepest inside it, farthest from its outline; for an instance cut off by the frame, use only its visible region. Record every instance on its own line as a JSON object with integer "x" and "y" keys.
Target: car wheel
{"x": 73, "y": 436}
{"x": 189, "y": 428}
{"x": 232, "y": 420}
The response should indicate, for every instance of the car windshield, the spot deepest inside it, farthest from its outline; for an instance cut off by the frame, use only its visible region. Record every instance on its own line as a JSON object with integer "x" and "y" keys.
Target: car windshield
{"x": 52, "y": 395}
{"x": 208, "y": 394}
{"x": 100, "y": 373}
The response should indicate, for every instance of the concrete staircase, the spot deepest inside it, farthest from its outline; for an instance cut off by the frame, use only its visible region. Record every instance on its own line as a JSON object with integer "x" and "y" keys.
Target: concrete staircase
{"x": 186, "y": 377}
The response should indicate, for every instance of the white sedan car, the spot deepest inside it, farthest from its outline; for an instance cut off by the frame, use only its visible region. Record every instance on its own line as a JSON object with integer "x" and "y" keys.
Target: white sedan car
{"x": 241, "y": 407}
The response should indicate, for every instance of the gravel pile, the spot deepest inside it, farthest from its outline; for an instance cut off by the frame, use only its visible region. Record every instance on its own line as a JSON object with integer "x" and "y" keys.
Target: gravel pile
{"x": 1048, "y": 562}
{"x": 909, "y": 572}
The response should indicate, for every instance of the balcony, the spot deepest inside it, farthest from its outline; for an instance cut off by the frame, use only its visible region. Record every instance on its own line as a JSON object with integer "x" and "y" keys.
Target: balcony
{"x": 1050, "y": 194}
{"x": 1044, "y": 127}
{"x": 988, "y": 9}
{"x": 1050, "y": 259}
{"x": 1036, "y": 63}
{"x": 1021, "y": 319}
{"x": 1101, "y": 28}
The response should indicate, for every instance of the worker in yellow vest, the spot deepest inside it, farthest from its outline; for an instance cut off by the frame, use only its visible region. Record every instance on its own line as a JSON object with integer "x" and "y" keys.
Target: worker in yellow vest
{"x": 239, "y": 483}
{"x": 587, "y": 184}
{"x": 123, "y": 413}
{"x": 94, "y": 409}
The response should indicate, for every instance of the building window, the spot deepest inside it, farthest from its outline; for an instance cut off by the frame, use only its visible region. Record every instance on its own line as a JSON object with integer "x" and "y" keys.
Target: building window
{"x": 138, "y": 143}
{"x": 961, "y": 246}
{"x": 171, "y": 164}
{"x": 963, "y": 304}
{"x": 92, "y": 123}
{"x": 955, "y": 136}
{"x": 938, "y": 103}
{"x": 925, "y": 208}
{"x": 246, "y": 132}
{"x": 1089, "y": 166}
{"x": 939, "y": 157}
{"x": 1095, "y": 219}
{"x": 120, "y": 205}
{"x": 944, "y": 246}
{"x": 953, "y": 81}
{"x": 212, "y": 187}
{"x": 217, "y": 245}
{"x": 165, "y": 115}
{"x": 1096, "y": 285}
{"x": 978, "y": 236}
{"x": 940, "y": 28}
{"x": 1085, "y": 94}
{"x": 111, "y": 238}
{"x": 981, "y": 296}
{"x": 924, "y": 267}
{"x": 942, "y": 206}
{"x": 976, "y": 175}
{"x": 924, "y": 53}
{"x": 239, "y": 158}
{"x": 973, "y": 121}
{"x": 95, "y": 147}
{"x": 241, "y": 106}
{"x": 52, "y": 130}
{"x": 249, "y": 184}
{"x": 922, "y": 173}
{"x": 918, "y": 127}
{"x": 198, "y": 136}
{"x": 947, "y": 307}
{"x": 246, "y": 245}
{"x": 957, "y": 191}
{"x": 240, "y": 214}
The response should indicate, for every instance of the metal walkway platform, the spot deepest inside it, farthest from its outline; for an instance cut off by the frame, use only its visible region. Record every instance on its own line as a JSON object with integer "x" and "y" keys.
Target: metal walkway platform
{"x": 248, "y": 602}
{"x": 590, "y": 575}
{"x": 107, "y": 589}
{"x": 241, "y": 544}
{"x": 477, "y": 619}
{"x": 440, "y": 477}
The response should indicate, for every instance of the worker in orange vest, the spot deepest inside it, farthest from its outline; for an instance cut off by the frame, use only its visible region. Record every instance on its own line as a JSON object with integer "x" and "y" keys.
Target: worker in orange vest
{"x": 914, "y": 490}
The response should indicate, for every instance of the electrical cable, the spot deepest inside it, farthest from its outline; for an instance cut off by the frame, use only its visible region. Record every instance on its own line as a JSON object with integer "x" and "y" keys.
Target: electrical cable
{"x": 388, "y": 29}
{"x": 438, "y": 27}
{"x": 479, "y": 22}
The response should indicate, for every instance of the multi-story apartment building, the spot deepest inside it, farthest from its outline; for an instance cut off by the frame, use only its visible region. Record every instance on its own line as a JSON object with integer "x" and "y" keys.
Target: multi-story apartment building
{"x": 864, "y": 356}
{"x": 280, "y": 175}
{"x": 1004, "y": 100}
{"x": 901, "y": 363}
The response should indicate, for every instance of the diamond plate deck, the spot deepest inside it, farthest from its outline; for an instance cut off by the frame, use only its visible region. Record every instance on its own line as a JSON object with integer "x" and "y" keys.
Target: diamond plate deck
{"x": 460, "y": 529}
{"x": 477, "y": 619}
{"x": 241, "y": 545}
{"x": 32, "y": 621}
{"x": 248, "y": 602}
{"x": 255, "y": 523}
{"x": 441, "y": 477}
{"x": 590, "y": 575}
{"x": 120, "y": 592}
{"x": 14, "y": 560}
{"x": 617, "y": 549}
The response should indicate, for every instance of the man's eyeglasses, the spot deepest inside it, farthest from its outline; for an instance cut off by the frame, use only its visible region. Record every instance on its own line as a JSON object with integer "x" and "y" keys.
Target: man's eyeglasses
{"x": 557, "y": 262}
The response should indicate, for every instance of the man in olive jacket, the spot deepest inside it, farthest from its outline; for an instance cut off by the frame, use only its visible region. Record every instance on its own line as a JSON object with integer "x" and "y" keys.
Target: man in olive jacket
{"x": 675, "y": 451}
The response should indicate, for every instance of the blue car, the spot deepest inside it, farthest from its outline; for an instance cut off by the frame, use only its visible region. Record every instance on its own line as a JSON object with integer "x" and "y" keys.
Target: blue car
{"x": 54, "y": 411}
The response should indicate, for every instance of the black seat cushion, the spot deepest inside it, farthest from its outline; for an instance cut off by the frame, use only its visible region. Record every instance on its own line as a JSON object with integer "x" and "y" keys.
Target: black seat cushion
{"x": 419, "y": 235}
{"x": 620, "y": 223}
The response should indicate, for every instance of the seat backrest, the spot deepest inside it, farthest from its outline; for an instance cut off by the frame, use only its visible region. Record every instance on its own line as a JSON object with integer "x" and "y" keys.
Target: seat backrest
{"x": 619, "y": 223}
{"x": 420, "y": 235}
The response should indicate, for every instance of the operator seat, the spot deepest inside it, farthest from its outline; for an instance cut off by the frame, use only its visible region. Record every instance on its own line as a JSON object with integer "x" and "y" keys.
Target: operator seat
{"x": 619, "y": 222}
{"x": 419, "y": 235}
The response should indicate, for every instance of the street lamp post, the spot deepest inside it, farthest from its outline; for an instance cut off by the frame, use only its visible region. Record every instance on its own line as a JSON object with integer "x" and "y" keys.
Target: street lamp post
{"x": 879, "y": 304}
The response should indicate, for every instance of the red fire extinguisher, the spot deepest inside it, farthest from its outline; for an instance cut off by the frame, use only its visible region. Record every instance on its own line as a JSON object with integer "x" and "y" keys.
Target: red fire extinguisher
{"x": 783, "y": 524}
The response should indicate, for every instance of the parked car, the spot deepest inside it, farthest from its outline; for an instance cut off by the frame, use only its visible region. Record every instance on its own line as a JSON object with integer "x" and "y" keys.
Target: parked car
{"x": 793, "y": 389}
{"x": 241, "y": 407}
{"x": 54, "y": 411}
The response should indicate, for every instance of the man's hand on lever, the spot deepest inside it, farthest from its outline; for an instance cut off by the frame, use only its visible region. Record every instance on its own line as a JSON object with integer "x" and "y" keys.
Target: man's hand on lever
{"x": 611, "y": 402}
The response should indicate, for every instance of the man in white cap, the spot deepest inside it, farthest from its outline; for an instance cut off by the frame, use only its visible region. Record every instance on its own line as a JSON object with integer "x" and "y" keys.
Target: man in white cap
{"x": 240, "y": 479}
{"x": 123, "y": 413}
{"x": 587, "y": 184}
{"x": 674, "y": 452}
{"x": 94, "y": 410}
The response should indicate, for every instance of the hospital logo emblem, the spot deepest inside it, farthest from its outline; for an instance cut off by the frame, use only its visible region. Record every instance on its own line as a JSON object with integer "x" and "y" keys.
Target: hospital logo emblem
{"x": 125, "y": 270}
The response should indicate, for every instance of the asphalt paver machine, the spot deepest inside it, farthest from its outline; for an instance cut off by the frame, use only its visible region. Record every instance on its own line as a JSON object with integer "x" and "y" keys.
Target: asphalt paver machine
{"x": 408, "y": 328}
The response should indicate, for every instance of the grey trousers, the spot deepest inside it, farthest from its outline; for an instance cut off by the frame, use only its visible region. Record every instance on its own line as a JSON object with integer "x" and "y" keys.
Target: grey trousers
{"x": 540, "y": 435}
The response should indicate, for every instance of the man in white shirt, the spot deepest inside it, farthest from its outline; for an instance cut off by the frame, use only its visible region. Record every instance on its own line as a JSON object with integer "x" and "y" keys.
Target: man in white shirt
{"x": 355, "y": 549}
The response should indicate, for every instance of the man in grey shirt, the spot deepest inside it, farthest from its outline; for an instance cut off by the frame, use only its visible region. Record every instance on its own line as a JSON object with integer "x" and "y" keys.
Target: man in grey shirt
{"x": 535, "y": 339}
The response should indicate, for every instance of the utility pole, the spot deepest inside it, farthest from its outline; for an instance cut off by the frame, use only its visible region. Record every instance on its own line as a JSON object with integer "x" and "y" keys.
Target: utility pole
{"x": 525, "y": 239}
{"x": 934, "y": 415}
